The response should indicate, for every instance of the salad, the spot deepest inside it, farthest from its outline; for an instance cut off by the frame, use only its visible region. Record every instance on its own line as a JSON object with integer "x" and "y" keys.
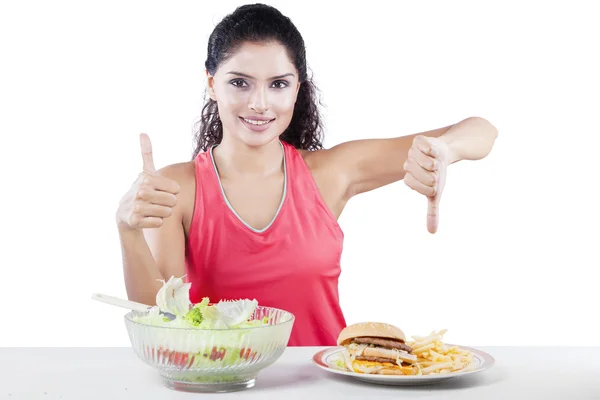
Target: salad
{"x": 205, "y": 335}
{"x": 174, "y": 298}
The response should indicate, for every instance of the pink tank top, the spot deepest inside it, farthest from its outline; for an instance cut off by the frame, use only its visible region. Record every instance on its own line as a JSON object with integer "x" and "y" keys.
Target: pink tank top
{"x": 293, "y": 264}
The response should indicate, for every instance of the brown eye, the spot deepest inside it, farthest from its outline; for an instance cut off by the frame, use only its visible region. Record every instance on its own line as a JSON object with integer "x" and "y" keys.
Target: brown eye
{"x": 238, "y": 83}
{"x": 280, "y": 84}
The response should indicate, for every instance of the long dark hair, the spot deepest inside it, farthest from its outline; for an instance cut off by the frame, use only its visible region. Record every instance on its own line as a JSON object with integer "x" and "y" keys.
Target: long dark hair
{"x": 261, "y": 23}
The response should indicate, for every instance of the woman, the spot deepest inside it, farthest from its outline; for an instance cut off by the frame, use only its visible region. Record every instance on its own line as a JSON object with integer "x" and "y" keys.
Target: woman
{"x": 254, "y": 214}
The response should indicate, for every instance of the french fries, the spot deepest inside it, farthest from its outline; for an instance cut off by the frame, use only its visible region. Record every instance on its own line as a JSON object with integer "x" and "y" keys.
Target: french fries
{"x": 435, "y": 357}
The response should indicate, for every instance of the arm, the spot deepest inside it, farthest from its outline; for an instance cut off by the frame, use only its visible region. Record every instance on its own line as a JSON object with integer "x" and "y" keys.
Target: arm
{"x": 141, "y": 271}
{"x": 151, "y": 230}
{"x": 167, "y": 243}
{"x": 154, "y": 253}
{"x": 470, "y": 139}
{"x": 371, "y": 163}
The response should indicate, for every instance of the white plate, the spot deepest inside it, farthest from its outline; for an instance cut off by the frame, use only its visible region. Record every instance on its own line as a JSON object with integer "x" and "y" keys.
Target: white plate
{"x": 481, "y": 361}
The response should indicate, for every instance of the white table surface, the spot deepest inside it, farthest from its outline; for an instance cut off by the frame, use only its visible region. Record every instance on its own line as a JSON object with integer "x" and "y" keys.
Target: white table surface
{"x": 117, "y": 373}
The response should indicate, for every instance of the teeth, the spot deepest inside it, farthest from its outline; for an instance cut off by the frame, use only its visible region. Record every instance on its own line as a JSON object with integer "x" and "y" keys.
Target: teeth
{"x": 254, "y": 122}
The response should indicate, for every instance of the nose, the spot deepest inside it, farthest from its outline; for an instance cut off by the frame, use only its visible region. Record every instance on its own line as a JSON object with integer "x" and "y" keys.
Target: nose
{"x": 258, "y": 101}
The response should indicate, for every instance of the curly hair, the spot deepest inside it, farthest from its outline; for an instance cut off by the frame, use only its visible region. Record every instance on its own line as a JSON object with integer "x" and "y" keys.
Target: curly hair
{"x": 261, "y": 23}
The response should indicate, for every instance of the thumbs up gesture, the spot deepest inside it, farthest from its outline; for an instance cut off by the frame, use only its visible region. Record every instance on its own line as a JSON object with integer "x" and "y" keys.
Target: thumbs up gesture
{"x": 151, "y": 198}
{"x": 425, "y": 168}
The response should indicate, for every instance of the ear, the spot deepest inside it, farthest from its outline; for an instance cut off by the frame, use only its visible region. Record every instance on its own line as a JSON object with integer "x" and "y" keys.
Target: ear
{"x": 211, "y": 86}
{"x": 298, "y": 88}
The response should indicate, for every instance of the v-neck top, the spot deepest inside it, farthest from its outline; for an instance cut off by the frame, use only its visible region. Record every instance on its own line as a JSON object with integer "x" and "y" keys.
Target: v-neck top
{"x": 212, "y": 158}
{"x": 292, "y": 264}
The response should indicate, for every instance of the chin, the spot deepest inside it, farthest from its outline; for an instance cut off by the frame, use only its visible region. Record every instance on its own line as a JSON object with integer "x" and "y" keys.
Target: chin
{"x": 257, "y": 139}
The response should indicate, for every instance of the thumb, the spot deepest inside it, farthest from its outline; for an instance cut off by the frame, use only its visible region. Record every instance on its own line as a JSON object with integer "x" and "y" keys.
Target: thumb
{"x": 433, "y": 204}
{"x": 146, "y": 145}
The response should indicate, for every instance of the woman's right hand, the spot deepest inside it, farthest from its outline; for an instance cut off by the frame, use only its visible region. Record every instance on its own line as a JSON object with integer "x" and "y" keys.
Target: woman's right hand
{"x": 150, "y": 199}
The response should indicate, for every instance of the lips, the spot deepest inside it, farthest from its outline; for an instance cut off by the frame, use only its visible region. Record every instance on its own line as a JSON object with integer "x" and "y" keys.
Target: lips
{"x": 258, "y": 117}
{"x": 256, "y": 123}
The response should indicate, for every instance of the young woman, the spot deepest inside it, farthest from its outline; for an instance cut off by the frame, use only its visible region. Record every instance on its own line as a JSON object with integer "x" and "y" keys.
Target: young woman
{"x": 254, "y": 214}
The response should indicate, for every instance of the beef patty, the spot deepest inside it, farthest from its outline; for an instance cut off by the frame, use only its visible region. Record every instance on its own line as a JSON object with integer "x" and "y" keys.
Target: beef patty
{"x": 388, "y": 343}
{"x": 375, "y": 359}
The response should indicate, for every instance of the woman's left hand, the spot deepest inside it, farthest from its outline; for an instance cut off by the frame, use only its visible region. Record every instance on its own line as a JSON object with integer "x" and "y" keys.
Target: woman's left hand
{"x": 425, "y": 167}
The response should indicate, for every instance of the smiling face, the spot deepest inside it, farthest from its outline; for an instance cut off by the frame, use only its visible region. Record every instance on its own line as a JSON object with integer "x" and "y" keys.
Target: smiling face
{"x": 255, "y": 91}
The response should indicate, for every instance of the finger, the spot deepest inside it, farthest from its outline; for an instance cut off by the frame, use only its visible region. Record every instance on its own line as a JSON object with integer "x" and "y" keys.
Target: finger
{"x": 427, "y": 178}
{"x": 433, "y": 213}
{"x": 426, "y": 146}
{"x": 153, "y": 210}
{"x": 138, "y": 221}
{"x": 156, "y": 197}
{"x": 414, "y": 184}
{"x": 427, "y": 162}
{"x": 151, "y": 222}
{"x": 146, "y": 146}
{"x": 161, "y": 183}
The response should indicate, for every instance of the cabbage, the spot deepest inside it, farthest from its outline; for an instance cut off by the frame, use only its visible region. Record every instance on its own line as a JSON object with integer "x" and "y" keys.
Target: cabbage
{"x": 174, "y": 296}
{"x": 223, "y": 315}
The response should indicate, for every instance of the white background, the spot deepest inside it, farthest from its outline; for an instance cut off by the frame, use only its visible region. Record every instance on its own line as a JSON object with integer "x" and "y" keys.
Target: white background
{"x": 516, "y": 255}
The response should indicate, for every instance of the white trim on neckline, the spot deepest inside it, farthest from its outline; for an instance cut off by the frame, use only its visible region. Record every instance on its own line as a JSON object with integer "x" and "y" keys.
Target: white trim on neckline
{"x": 285, "y": 179}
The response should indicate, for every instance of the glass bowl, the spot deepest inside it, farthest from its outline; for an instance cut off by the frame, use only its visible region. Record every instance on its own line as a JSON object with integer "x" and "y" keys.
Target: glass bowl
{"x": 211, "y": 360}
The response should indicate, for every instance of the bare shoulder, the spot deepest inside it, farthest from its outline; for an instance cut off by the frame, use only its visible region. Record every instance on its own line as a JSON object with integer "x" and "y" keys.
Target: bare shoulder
{"x": 184, "y": 174}
{"x": 317, "y": 159}
{"x": 309, "y": 157}
{"x": 331, "y": 184}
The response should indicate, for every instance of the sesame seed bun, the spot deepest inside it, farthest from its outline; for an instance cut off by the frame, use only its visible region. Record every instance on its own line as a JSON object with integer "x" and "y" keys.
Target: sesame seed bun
{"x": 373, "y": 329}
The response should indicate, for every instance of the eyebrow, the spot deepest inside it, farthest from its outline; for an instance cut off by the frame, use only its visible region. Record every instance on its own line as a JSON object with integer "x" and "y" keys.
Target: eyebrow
{"x": 251, "y": 77}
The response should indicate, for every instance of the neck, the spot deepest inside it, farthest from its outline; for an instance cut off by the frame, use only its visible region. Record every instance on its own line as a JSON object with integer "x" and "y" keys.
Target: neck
{"x": 234, "y": 158}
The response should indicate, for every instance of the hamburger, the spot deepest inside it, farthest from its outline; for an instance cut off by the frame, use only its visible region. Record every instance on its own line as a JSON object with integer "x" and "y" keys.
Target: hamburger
{"x": 376, "y": 348}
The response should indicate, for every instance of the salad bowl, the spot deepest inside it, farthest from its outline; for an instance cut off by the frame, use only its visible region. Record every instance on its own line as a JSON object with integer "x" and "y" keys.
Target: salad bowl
{"x": 200, "y": 359}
